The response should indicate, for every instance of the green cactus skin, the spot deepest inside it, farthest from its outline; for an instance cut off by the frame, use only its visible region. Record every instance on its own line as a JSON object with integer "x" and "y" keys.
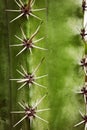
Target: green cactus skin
{"x": 9, "y": 96}
{"x": 65, "y": 76}
{"x": 82, "y": 91}
{"x": 65, "y": 50}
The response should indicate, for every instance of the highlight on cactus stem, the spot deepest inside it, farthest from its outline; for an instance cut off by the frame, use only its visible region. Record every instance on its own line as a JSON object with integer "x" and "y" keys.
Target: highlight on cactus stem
{"x": 29, "y": 78}
{"x": 83, "y": 64}
{"x": 28, "y": 43}
{"x": 84, "y": 6}
{"x": 84, "y": 121}
{"x": 25, "y": 10}
{"x": 30, "y": 112}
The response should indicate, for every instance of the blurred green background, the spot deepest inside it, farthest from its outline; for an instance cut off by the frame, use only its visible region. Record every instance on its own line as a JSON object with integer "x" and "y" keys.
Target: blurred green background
{"x": 62, "y": 20}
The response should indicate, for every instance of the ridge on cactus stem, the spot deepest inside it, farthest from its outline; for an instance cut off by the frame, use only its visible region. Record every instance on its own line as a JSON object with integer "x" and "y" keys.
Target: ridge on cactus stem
{"x": 29, "y": 78}
{"x": 28, "y": 43}
{"x": 83, "y": 64}
{"x": 25, "y": 10}
{"x": 84, "y": 121}
{"x": 30, "y": 112}
{"x": 84, "y": 6}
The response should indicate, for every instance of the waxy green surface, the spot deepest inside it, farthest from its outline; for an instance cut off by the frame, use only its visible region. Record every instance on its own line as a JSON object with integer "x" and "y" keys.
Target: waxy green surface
{"x": 65, "y": 49}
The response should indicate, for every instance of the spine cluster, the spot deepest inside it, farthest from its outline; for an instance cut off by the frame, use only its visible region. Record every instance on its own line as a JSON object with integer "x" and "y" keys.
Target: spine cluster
{"x": 83, "y": 64}
{"x": 28, "y": 79}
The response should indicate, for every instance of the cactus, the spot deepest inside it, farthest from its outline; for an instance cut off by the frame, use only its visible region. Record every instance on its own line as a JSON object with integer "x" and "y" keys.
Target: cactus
{"x": 84, "y": 66}
{"x": 65, "y": 74}
{"x": 25, "y": 60}
{"x": 65, "y": 64}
